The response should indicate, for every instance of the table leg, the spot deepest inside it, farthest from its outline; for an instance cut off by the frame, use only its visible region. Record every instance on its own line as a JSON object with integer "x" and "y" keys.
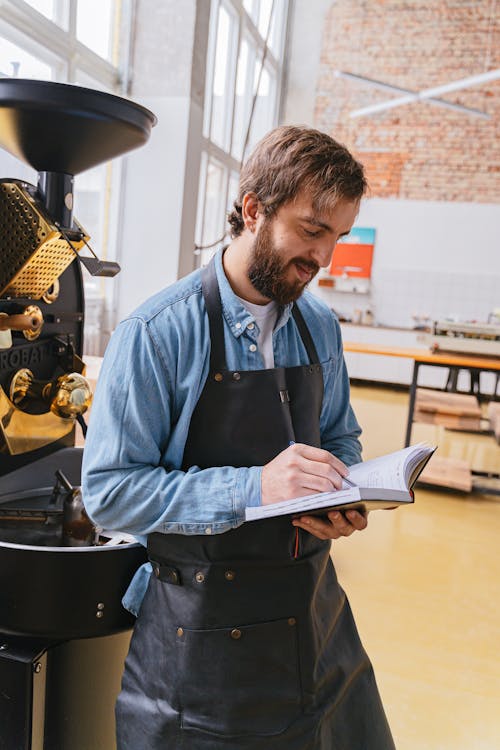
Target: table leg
{"x": 411, "y": 407}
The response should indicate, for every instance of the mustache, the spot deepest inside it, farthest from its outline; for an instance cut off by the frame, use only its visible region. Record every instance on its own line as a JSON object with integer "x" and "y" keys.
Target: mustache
{"x": 310, "y": 265}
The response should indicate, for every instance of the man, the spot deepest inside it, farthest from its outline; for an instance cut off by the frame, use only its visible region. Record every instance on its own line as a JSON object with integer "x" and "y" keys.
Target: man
{"x": 228, "y": 390}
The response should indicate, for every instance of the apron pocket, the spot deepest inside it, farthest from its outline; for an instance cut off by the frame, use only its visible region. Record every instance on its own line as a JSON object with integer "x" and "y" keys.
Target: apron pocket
{"x": 239, "y": 681}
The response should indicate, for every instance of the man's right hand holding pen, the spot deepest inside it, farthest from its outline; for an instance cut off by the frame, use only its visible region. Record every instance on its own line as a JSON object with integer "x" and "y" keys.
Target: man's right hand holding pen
{"x": 301, "y": 470}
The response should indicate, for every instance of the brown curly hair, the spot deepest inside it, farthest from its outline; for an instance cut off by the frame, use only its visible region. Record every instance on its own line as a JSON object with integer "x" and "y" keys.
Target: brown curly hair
{"x": 292, "y": 159}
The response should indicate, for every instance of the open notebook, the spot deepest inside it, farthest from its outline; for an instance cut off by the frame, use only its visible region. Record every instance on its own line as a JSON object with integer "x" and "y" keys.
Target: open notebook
{"x": 383, "y": 482}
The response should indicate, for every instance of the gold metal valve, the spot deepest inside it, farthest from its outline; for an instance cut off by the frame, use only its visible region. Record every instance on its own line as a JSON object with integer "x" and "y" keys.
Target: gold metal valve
{"x": 69, "y": 395}
{"x": 73, "y": 396}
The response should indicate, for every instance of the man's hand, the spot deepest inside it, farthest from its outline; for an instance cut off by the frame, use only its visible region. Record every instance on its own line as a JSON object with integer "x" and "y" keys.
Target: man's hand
{"x": 334, "y": 526}
{"x": 301, "y": 470}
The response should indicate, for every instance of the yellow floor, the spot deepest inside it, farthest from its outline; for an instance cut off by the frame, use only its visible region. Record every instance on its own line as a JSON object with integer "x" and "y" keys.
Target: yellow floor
{"x": 423, "y": 582}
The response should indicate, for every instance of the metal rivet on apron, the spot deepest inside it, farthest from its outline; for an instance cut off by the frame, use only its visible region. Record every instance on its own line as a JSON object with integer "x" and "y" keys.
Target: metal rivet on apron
{"x": 235, "y": 633}
{"x": 200, "y": 577}
{"x": 236, "y": 376}
{"x": 180, "y": 632}
{"x": 292, "y": 620}
{"x": 218, "y": 376}
{"x": 229, "y": 575}
{"x": 311, "y": 369}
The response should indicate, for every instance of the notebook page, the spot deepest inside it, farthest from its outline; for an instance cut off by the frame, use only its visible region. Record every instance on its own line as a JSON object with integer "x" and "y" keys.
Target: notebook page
{"x": 386, "y": 471}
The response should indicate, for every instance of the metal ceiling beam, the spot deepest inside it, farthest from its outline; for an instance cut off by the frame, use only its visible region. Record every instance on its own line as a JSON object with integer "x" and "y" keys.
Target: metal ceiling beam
{"x": 428, "y": 95}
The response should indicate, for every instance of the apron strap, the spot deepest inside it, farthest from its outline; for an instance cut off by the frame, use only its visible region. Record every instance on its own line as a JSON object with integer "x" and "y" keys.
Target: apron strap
{"x": 211, "y": 295}
{"x": 305, "y": 335}
{"x": 213, "y": 303}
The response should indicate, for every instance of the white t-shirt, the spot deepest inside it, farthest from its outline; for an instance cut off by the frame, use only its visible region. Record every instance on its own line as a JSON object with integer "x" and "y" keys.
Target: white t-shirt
{"x": 265, "y": 317}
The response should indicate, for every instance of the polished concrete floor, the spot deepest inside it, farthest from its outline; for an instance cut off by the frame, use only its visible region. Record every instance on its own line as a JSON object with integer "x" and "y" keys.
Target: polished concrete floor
{"x": 423, "y": 582}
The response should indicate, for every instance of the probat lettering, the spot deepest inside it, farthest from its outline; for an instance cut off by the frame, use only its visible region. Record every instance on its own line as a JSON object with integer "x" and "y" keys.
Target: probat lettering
{"x": 25, "y": 356}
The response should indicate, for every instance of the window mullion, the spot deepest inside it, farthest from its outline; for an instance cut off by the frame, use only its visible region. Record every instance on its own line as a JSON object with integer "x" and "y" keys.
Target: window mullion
{"x": 33, "y": 25}
{"x": 220, "y": 155}
{"x": 235, "y": 54}
{"x": 95, "y": 66}
{"x": 209, "y": 82}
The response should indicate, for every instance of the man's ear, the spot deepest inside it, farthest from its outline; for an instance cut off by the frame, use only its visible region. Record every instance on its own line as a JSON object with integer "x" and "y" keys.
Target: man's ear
{"x": 251, "y": 209}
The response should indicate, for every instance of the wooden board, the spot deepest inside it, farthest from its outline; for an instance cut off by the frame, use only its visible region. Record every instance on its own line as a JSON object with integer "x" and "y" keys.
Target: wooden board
{"x": 494, "y": 417}
{"x": 452, "y": 421}
{"x": 456, "y": 411}
{"x": 447, "y": 472}
{"x": 442, "y": 402}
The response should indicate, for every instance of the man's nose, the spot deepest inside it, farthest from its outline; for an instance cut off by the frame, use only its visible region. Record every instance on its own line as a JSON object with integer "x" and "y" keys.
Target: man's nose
{"x": 323, "y": 253}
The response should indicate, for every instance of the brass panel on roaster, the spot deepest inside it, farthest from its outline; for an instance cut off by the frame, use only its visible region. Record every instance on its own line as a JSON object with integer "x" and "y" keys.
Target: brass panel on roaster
{"x": 34, "y": 252}
{"x": 22, "y": 432}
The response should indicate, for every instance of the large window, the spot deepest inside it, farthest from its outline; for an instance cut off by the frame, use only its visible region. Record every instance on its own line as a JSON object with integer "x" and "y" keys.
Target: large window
{"x": 242, "y": 93}
{"x": 84, "y": 42}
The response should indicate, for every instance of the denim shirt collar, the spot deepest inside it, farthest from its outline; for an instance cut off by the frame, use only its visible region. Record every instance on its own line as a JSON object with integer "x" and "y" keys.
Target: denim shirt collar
{"x": 236, "y": 315}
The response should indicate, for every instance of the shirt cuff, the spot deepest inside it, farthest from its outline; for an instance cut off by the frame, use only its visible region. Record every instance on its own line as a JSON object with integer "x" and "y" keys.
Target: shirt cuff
{"x": 248, "y": 490}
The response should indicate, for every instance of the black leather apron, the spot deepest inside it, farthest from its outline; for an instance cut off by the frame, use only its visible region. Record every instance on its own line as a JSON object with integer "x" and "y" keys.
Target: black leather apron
{"x": 245, "y": 640}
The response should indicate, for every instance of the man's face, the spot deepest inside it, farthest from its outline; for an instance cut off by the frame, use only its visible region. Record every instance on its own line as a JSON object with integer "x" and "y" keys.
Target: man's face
{"x": 291, "y": 246}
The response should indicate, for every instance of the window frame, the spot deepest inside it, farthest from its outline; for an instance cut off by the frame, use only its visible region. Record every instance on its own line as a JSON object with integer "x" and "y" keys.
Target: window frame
{"x": 247, "y": 31}
{"x": 55, "y": 43}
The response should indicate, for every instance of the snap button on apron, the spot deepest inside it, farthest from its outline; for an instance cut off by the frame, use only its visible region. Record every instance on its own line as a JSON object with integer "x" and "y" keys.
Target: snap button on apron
{"x": 199, "y": 577}
{"x": 180, "y": 632}
{"x": 218, "y": 377}
{"x": 235, "y": 633}
{"x": 236, "y": 376}
{"x": 229, "y": 575}
{"x": 292, "y": 620}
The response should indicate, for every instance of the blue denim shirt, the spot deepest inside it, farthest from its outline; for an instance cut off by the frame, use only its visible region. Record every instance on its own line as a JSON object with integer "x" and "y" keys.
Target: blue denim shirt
{"x": 151, "y": 378}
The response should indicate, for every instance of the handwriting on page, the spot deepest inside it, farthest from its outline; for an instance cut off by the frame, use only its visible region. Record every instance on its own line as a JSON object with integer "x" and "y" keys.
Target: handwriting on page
{"x": 379, "y": 473}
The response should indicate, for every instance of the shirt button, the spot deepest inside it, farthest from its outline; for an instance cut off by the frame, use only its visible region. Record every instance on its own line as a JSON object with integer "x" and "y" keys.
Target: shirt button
{"x": 237, "y": 325}
{"x": 250, "y": 326}
{"x": 252, "y": 348}
{"x": 208, "y": 530}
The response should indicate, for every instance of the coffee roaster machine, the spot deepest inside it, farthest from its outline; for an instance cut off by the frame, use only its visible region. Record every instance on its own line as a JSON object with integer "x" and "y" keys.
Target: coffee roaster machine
{"x": 63, "y": 630}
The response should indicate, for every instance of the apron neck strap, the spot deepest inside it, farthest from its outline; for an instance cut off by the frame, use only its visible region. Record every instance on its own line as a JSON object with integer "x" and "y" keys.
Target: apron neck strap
{"x": 305, "y": 335}
{"x": 213, "y": 304}
{"x": 211, "y": 295}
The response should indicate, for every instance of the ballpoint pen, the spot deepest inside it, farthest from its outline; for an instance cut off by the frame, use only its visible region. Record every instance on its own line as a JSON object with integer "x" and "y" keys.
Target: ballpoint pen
{"x": 349, "y": 482}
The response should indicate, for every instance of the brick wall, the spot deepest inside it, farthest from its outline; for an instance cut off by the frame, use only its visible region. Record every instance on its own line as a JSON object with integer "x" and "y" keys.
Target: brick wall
{"x": 417, "y": 151}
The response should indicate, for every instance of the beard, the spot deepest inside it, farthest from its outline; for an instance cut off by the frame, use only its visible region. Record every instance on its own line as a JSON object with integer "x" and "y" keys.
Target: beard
{"x": 268, "y": 271}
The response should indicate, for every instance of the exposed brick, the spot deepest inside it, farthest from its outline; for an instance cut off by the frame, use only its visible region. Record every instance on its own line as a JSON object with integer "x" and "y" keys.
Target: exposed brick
{"x": 420, "y": 150}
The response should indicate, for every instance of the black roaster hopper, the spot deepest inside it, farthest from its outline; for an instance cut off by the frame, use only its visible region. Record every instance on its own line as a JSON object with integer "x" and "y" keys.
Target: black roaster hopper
{"x": 47, "y": 590}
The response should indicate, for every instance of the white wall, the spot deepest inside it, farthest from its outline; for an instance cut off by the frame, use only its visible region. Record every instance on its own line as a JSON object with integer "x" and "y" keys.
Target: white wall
{"x": 149, "y": 253}
{"x": 161, "y": 180}
{"x": 430, "y": 258}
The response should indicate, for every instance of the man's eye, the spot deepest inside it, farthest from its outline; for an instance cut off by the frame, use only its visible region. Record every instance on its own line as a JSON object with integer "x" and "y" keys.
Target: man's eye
{"x": 311, "y": 233}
